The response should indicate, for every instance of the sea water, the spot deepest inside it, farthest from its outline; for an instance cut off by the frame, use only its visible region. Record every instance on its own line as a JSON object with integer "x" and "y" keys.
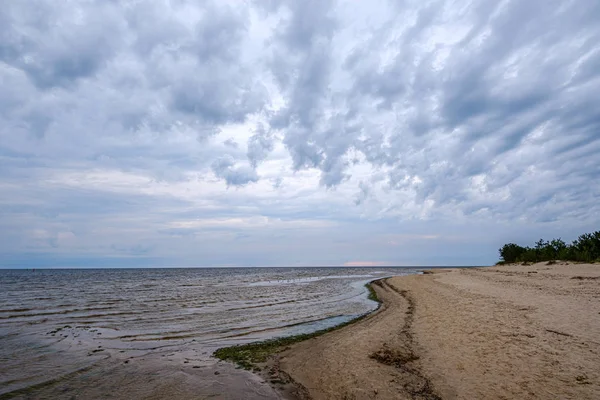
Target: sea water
{"x": 71, "y": 324}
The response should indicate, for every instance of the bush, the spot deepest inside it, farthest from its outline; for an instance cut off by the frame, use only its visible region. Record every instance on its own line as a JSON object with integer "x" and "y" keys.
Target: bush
{"x": 511, "y": 252}
{"x": 586, "y": 248}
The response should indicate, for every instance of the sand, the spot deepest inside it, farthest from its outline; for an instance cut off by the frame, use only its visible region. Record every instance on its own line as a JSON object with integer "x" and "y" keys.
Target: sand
{"x": 510, "y": 332}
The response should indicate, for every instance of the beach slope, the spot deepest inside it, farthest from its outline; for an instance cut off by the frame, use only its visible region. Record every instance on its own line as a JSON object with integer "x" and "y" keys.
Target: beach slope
{"x": 510, "y": 332}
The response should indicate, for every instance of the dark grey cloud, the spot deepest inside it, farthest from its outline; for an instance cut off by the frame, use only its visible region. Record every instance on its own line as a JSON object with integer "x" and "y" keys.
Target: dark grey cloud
{"x": 225, "y": 167}
{"x": 301, "y": 66}
{"x": 56, "y": 44}
{"x": 469, "y": 101}
{"x": 214, "y": 97}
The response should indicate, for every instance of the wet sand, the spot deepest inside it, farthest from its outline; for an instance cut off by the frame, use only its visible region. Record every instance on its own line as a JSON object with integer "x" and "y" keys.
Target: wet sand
{"x": 510, "y": 332}
{"x": 172, "y": 374}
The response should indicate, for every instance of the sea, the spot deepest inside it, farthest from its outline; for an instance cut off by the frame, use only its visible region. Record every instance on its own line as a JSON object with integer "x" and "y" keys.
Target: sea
{"x": 141, "y": 333}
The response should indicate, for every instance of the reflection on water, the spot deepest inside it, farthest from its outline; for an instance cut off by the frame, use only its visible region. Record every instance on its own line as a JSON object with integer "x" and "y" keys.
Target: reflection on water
{"x": 64, "y": 323}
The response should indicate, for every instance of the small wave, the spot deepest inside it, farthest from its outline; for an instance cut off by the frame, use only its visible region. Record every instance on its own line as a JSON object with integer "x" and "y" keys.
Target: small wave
{"x": 43, "y": 313}
{"x": 304, "y": 280}
{"x": 267, "y": 305}
{"x": 16, "y": 310}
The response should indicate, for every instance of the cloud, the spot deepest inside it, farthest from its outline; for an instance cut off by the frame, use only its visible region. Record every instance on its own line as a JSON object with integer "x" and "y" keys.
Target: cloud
{"x": 259, "y": 146}
{"x": 375, "y": 119}
{"x": 231, "y": 143}
{"x": 59, "y": 44}
{"x": 225, "y": 168}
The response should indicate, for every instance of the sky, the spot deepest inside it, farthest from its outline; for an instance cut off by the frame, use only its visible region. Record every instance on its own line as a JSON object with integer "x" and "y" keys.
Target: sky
{"x": 295, "y": 133}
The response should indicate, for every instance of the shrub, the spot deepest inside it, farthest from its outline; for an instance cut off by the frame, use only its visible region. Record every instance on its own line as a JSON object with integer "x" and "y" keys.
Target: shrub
{"x": 586, "y": 248}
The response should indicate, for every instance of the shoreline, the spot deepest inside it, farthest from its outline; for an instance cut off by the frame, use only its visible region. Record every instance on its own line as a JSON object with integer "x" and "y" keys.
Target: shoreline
{"x": 264, "y": 357}
{"x": 396, "y": 309}
{"x": 509, "y": 331}
{"x": 261, "y": 357}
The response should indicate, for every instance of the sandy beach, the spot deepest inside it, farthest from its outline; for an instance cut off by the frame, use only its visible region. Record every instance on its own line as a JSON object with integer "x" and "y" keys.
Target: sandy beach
{"x": 508, "y": 332}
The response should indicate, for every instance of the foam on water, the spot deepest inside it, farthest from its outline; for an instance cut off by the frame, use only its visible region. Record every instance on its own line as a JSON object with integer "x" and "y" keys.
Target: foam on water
{"x": 308, "y": 279}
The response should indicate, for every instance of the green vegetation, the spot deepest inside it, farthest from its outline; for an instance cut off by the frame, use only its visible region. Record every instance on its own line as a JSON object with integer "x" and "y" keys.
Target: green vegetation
{"x": 372, "y": 293}
{"x": 586, "y": 248}
{"x": 250, "y": 356}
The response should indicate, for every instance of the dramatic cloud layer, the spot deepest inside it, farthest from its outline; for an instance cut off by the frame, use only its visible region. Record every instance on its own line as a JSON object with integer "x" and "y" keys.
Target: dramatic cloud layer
{"x": 295, "y": 133}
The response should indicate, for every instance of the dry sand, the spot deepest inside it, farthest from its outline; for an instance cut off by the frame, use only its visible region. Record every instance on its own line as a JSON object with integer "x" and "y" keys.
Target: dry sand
{"x": 510, "y": 332}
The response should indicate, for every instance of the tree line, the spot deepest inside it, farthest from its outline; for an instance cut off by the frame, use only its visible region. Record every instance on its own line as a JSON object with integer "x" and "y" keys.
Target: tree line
{"x": 586, "y": 248}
